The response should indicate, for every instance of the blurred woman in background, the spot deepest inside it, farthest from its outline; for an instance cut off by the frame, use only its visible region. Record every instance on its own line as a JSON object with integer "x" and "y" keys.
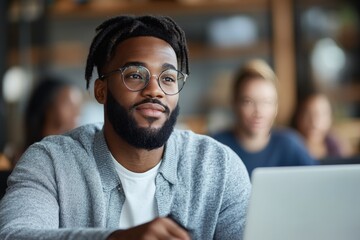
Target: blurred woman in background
{"x": 313, "y": 120}
{"x": 4, "y": 161}
{"x": 53, "y": 108}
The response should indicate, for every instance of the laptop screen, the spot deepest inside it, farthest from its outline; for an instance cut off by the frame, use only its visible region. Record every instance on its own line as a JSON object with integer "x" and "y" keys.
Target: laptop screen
{"x": 312, "y": 203}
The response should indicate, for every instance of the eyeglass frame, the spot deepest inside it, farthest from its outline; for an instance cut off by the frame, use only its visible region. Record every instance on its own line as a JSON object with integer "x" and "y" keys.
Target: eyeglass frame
{"x": 121, "y": 70}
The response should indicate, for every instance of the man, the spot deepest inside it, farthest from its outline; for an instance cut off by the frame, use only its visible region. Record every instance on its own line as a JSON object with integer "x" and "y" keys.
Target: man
{"x": 255, "y": 104}
{"x": 134, "y": 177}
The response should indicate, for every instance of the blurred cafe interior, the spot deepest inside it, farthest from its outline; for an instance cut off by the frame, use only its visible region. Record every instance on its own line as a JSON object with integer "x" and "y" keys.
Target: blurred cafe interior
{"x": 309, "y": 44}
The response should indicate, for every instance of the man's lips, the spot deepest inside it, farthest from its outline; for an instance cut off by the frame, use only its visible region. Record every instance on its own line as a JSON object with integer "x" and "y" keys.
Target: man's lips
{"x": 150, "y": 109}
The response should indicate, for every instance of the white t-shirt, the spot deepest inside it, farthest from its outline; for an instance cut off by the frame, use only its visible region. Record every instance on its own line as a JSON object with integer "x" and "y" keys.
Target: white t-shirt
{"x": 140, "y": 205}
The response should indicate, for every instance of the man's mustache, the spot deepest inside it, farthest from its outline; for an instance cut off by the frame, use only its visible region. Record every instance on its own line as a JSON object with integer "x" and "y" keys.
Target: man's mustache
{"x": 151, "y": 100}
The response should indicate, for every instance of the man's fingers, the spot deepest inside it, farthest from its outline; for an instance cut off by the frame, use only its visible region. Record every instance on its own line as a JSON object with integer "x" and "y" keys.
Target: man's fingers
{"x": 176, "y": 230}
{"x": 158, "y": 229}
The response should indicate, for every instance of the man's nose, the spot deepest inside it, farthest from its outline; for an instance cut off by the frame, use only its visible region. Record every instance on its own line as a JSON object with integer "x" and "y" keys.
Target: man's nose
{"x": 153, "y": 89}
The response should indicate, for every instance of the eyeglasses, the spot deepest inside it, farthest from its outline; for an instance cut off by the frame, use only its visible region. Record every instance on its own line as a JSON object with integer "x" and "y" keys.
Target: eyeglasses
{"x": 136, "y": 78}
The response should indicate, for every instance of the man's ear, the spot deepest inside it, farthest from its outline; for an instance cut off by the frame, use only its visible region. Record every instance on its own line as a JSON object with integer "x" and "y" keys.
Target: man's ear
{"x": 100, "y": 89}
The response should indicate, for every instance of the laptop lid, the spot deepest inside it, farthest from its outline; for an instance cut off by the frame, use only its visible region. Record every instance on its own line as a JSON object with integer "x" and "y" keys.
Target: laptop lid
{"x": 312, "y": 203}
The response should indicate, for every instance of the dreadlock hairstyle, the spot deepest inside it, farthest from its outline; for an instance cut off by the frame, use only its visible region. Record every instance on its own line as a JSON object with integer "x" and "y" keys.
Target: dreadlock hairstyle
{"x": 115, "y": 30}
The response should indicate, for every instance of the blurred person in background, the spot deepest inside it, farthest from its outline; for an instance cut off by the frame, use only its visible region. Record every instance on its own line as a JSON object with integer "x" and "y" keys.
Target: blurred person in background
{"x": 5, "y": 163}
{"x": 53, "y": 108}
{"x": 255, "y": 106}
{"x": 313, "y": 120}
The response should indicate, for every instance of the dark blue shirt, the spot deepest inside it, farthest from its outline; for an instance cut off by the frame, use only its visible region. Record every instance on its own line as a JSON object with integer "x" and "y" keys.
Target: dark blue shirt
{"x": 285, "y": 148}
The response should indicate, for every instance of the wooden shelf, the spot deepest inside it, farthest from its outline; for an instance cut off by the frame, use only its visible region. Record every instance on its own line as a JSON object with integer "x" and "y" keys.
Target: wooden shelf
{"x": 345, "y": 93}
{"x": 201, "y": 51}
{"x": 75, "y": 53}
{"x": 66, "y": 9}
{"x": 323, "y": 3}
{"x": 35, "y": 55}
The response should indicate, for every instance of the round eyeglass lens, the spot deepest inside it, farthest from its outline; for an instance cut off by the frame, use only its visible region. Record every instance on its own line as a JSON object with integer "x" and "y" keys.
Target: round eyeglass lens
{"x": 135, "y": 77}
{"x": 171, "y": 81}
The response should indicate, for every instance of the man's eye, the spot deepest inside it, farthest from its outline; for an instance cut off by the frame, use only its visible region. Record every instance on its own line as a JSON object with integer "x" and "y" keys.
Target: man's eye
{"x": 134, "y": 76}
{"x": 168, "y": 79}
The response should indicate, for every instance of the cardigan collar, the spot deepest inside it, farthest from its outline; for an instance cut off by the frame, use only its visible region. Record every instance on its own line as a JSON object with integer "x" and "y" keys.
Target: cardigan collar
{"x": 109, "y": 177}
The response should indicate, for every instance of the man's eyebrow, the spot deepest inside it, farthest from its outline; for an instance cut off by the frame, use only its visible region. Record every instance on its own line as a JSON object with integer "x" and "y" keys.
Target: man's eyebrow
{"x": 134, "y": 64}
{"x": 164, "y": 66}
{"x": 168, "y": 66}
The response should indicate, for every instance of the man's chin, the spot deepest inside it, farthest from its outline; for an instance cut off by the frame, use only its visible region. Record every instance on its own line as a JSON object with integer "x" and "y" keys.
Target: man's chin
{"x": 149, "y": 129}
{"x": 148, "y": 121}
{"x": 152, "y": 126}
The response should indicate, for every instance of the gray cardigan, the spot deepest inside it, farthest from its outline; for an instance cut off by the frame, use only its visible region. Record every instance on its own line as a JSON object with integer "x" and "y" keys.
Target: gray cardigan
{"x": 66, "y": 187}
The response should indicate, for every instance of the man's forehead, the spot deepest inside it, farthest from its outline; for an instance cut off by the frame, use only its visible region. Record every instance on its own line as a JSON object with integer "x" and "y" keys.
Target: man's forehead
{"x": 144, "y": 44}
{"x": 143, "y": 51}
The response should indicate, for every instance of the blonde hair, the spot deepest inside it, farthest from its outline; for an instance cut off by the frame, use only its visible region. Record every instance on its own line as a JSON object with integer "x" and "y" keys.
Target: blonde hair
{"x": 255, "y": 68}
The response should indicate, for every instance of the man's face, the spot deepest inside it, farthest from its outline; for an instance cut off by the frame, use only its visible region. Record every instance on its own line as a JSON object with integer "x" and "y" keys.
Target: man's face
{"x": 256, "y": 106}
{"x": 145, "y": 119}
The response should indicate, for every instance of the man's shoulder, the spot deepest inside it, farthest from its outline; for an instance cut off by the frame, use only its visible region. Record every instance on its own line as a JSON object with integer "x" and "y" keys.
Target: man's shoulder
{"x": 199, "y": 145}
{"x": 81, "y": 136}
{"x": 205, "y": 160}
{"x": 73, "y": 147}
{"x": 188, "y": 136}
{"x": 86, "y": 130}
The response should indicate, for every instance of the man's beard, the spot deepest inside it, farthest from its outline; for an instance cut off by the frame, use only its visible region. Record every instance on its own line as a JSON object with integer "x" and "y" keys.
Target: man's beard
{"x": 127, "y": 128}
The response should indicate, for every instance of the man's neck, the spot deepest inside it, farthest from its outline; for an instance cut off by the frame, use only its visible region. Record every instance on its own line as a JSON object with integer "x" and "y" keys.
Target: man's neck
{"x": 132, "y": 158}
{"x": 252, "y": 142}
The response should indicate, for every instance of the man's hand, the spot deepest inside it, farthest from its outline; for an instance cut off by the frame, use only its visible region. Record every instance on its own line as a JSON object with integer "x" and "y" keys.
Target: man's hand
{"x": 159, "y": 228}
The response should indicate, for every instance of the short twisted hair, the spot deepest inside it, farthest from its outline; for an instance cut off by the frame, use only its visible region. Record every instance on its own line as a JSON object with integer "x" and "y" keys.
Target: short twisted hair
{"x": 115, "y": 30}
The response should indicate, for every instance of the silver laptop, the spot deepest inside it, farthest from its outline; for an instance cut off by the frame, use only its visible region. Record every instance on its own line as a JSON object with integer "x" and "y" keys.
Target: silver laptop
{"x": 305, "y": 203}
